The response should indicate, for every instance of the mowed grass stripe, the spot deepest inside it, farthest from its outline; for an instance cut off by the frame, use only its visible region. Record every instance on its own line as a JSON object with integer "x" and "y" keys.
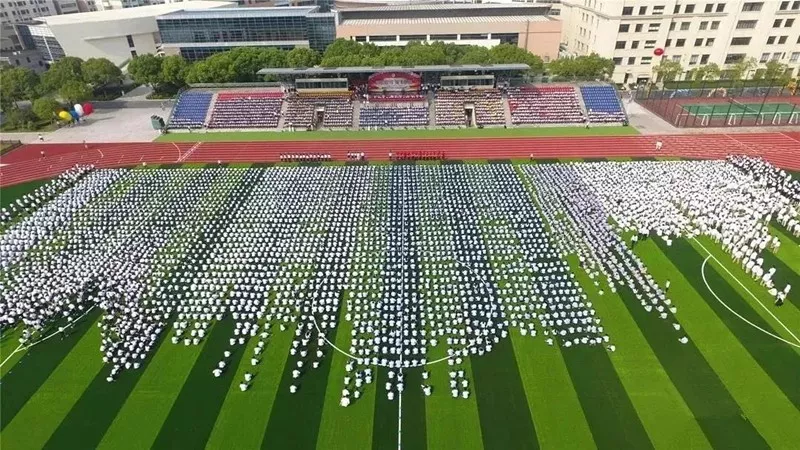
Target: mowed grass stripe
{"x": 789, "y": 251}
{"x": 384, "y": 420}
{"x": 244, "y": 415}
{"x": 785, "y": 236}
{"x": 155, "y": 393}
{"x": 197, "y": 406}
{"x": 24, "y": 378}
{"x": 777, "y": 358}
{"x": 295, "y": 418}
{"x": 414, "y": 414}
{"x": 612, "y": 418}
{"x": 505, "y": 417}
{"x": 84, "y": 427}
{"x": 760, "y": 401}
{"x": 451, "y": 423}
{"x": 9, "y": 356}
{"x": 45, "y": 410}
{"x": 784, "y": 273}
{"x": 664, "y": 413}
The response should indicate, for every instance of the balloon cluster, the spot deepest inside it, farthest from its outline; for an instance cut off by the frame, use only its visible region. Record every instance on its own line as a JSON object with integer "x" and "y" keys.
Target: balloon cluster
{"x": 77, "y": 111}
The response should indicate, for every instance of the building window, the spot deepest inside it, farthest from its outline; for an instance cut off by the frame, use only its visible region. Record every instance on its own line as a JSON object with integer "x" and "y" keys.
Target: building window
{"x": 130, "y": 41}
{"x": 782, "y": 39}
{"x": 685, "y": 26}
{"x": 642, "y": 10}
{"x": 617, "y": 61}
{"x": 704, "y": 59}
{"x": 623, "y": 28}
{"x": 361, "y": 39}
{"x": 676, "y": 58}
{"x": 693, "y": 59}
{"x": 654, "y": 27}
{"x": 709, "y": 7}
{"x": 703, "y": 25}
{"x": 777, "y": 23}
{"x": 414, "y": 37}
{"x": 639, "y": 27}
{"x": 646, "y": 60}
{"x": 677, "y": 9}
{"x": 631, "y": 60}
{"x": 764, "y": 57}
{"x": 777, "y": 56}
{"x": 689, "y": 9}
{"x": 672, "y": 26}
{"x": 620, "y": 45}
{"x": 389, "y": 38}
{"x": 133, "y": 53}
{"x": 680, "y": 42}
{"x": 438, "y": 37}
{"x": 634, "y": 44}
{"x": 668, "y": 43}
{"x": 658, "y": 10}
{"x": 698, "y": 42}
{"x": 715, "y": 25}
{"x": 709, "y": 42}
{"x": 795, "y": 6}
{"x": 746, "y": 24}
{"x": 784, "y": 6}
{"x": 770, "y": 40}
{"x": 740, "y": 41}
{"x": 752, "y": 6}
{"x": 649, "y": 44}
{"x": 794, "y": 57}
{"x": 788, "y": 23}
{"x": 627, "y": 11}
{"x": 732, "y": 58}
{"x": 720, "y": 7}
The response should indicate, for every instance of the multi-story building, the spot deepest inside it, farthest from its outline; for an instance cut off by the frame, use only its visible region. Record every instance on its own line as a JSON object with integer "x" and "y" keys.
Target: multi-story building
{"x": 197, "y": 34}
{"x": 691, "y": 32}
{"x": 20, "y": 11}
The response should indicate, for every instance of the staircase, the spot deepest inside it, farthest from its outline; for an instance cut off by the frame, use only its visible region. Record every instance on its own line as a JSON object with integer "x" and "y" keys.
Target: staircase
{"x": 580, "y": 101}
{"x": 431, "y": 110}
{"x": 357, "y": 114}
{"x": 507, "y": 109}
{"x": 282, "y": 118}
{"x": 211, "y": 108}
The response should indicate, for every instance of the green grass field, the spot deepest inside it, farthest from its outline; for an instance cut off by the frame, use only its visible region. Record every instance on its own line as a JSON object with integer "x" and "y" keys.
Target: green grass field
{"x": 731, "y": 386}
{"x": 242, "y": 136}
{"x": 747, "y": 109}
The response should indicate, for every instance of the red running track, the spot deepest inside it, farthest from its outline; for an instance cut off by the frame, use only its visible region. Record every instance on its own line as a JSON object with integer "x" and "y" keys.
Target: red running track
{"x": 26, "y": 164}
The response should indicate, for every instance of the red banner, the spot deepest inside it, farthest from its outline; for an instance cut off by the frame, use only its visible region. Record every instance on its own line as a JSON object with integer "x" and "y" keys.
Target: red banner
{"x": 394, "y": 82}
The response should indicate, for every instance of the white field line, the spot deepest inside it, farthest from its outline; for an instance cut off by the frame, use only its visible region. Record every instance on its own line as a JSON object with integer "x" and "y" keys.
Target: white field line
{"x": 702, "y": 271}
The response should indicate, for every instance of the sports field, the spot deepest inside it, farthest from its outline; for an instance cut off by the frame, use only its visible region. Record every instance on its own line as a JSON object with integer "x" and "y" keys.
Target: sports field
{"x": 745, "y": 109}
{"x": 246, "y": 136}
{"x": 734, "y": 385}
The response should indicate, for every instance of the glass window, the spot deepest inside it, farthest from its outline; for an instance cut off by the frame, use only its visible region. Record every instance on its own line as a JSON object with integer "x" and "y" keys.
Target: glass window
{"x": 639, "y": 27}
{"x": 646, "y": 60}
{"x": 689, "y": 9}
{"x": 631, "y": 60}
{"x": 623, "y": 28}
{"x": 642, "y": 10}
{"x": 746, "y": 24}
{"x": 668, "y": 43}
{"x": 752, "y": 6}
{"x": 732, "y": 58}
{"x": 715, "y": 25}
{"x": 685, "y": 26}
{"x": 649, "y": 44}
{"x": 475, "y": 36}
{"x": 777, "y": 23}
{"x": 764, "y": 57}
{"x": 627, "y": 11}
{"x": 709, "y": 7}
{"x": 634, "y": 44}
{"x": 784, "y": 6}
{"x": 703, "y": 25}
{"x": 133, "y": 53}
{"x": 709, "y": 42}
{"x": 676, "y": 58}
{"x": 677, "y": 9}
{"x": 658, "y": 9}
{"x": 698, "y": 42}
{"x": 794, "y": 57}
{"x": 617, "y": 61}
{"x": 788, "y": 23}
{"x": 620, "y": 45}
{"x": 740, "y": 41}
{"x": 672, "y": 26}
{"x": 704, "y": 59}
{"x": 444, "y": 37}
{"x": 653, "y": 27}
{"x": 693, "y": 59}
{"x": 413, "y": 37}
{"x": 720, "y": 7}
{"x": 782, "y": 39}
{"x": 770, "y": 40}
{"x": 680, "y": 42}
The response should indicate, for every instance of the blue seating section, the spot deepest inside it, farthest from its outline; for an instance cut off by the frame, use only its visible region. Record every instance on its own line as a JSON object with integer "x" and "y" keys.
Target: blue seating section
{"x": 191, "y": 109}
{"x": 602, "y": 104}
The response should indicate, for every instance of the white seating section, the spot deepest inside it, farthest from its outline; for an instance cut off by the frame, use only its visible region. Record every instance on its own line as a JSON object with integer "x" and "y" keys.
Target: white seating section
{"x": 394, "y": 111}
{"x": 246, "y": 110}
{"x": 301, "y": 109}
{"x": 544, "y": 105}
{"x": 488, "y": 107}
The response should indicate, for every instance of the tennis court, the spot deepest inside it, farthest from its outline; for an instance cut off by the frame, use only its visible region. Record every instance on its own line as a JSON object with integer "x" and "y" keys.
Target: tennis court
{"x": 735, "y": 113}
{"x": 717, "y": 109}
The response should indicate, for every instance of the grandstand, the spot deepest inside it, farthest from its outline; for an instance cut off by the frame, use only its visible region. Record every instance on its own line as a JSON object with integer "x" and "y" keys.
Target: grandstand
{"x": 544, "y": 105}
{"x": 247, "y": 110}
{"x": 190, "y": 110}
{"x": 602, "y": 104}
{"x": 382, "y": 111}
{"x": 470, "y": 108}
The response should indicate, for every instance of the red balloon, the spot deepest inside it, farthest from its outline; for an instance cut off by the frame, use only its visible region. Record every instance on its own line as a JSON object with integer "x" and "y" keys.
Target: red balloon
{"x": 658, "y": 51}
{"x": 87, "y": 109}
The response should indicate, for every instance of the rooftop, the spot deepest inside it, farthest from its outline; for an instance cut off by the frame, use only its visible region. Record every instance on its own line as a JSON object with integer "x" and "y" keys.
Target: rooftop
{"x": 132, "y": 13}
{"x": 444, "y": 20}
{"x": 374, "y": 69}
{"x": 290, "y": 11}
{"x": 446, "y": 6}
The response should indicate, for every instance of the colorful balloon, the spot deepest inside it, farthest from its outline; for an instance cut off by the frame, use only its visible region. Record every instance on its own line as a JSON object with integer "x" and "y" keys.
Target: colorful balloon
{"x": 78, "y": 109}
{"x": 87, "y": 109}
{"x": 64, "y": 115}
{"x": 74, "y": 115}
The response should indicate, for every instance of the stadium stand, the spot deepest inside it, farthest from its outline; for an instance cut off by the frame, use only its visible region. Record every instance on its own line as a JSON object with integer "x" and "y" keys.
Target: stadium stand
{"x": 338, "y": 110}
{"x": 191, "y": 109}
{"x": 488, "y": 104}
{"x": 246, "y": 110}
{"x": 602, "y": 104}
{"x": 544, "y": 105}
{"x": 394, "y": 111}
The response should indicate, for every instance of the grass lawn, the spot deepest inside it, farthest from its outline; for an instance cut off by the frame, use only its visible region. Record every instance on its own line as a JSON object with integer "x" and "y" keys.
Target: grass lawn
{"x": 239, "y": 136}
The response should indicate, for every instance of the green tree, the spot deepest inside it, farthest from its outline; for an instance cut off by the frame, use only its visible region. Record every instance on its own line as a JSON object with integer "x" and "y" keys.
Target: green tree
{"x": 422, "y": 54}
{"x": 100, "y": 72}
{"x": 45, "y": 107}
{"x": 740, "y": 70}
{"x": 775, "y": 70}
{"x": 146, "y": 69}
{"x": 511, "y": 54}
{"x": 302, "y": 57}
{"x": 17, "y": 84}
{"x": 19, "y": 119}
{"x": 707, "y": 72}
{"x": 476, "y": 55}
{"x": 61, "y": 72}
{"x": 667, "y": 70}
{"x": 584, "y": 67}
{"x": 75, "y": 91}
{"x": 173, "y": 70}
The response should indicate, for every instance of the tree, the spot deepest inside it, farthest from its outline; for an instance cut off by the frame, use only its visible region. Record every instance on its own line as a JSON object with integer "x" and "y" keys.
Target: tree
{"x": 19, "y": 118}
{"x": 476, "y": 55}
{"x": 174, "y": 70}
{"x": 739, "y": 70}
{"x": 302, "y": 57}
{"x": 75, "y": 91}
{"x": 146, "y": 69}
{"x": 775, "y": 70}
{"x": 45, "y": 107}
{"x": 61, "y": 72}
{"x": 667, "y": 70}
{"x": 17, "y": 84}
{"x": 100, "y": 72}
{"x": 707, "y": 72}
{"x": 422, "y": 54}
{"x": 585, "y": 67}
{"x": 511, "y": 54}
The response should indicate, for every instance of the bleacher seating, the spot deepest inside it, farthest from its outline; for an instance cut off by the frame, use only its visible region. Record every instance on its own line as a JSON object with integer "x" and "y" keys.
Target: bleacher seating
{"x": 387, "y": 111}
{"x": 191, "y": 109}
{"x": 488, "y": 107}
{"x": 544, "y": 105}
{"x": 246, "y": 110}
{"x": 338, "y": 110}
{"x": 602, "y": 104}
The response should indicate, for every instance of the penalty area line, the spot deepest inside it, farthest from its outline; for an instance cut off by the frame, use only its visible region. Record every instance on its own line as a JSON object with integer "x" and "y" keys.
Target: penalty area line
{"x": 703, "y": 273}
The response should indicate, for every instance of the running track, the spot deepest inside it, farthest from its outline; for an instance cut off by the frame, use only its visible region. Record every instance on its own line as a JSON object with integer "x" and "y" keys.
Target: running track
{"x": 26, "y": 164}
